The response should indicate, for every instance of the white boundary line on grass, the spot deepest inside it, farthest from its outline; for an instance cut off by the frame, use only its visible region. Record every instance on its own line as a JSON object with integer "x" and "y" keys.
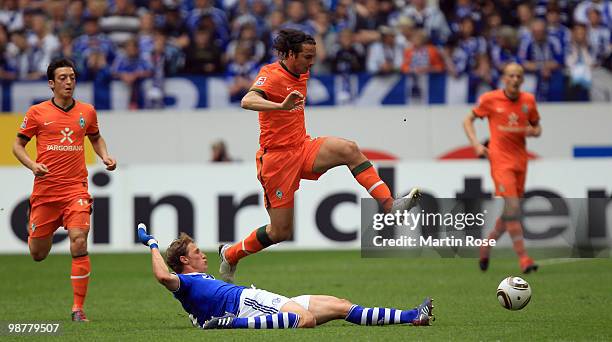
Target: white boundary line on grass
{"x": 555, "y": 261}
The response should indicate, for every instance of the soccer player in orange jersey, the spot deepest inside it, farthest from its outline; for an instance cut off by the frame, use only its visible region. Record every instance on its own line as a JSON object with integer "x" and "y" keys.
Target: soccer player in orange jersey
{"x": 287, "y": 154}
{"x": 60, "y": 196}
{"x": 512, "y": 116}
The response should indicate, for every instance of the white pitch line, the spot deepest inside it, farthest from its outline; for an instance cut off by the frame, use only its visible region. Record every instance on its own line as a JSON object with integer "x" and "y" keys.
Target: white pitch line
{"x": 556, "y": 261}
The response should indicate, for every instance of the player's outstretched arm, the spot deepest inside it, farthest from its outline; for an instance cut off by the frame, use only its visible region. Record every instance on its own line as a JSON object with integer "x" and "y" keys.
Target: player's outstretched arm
{"x": 253, "y": 100}
{"x": 160, "y": 269}
{"x": 21, "y": 154}
{"x": 99, "y": 146}
{"x": 470, "y": 132}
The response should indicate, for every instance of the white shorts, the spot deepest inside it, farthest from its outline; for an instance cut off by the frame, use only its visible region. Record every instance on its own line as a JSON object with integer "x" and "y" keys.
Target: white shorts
{"x": 255, "y": 302}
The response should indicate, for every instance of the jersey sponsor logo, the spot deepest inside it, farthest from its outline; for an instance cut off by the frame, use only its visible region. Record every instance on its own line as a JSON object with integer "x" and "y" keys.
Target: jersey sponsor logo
{"x": 288, "y": 88}
{"x": 499, "y": 110}
{"x": 512, "y": 119}
{"x": 66, "y": 133}
{"x": 48, "y": 123}
{"x": 525, "y": 108}
{"x": 24, "y": 123}
{"x": 65, "y": 148}
{"x": 261, "y": 80}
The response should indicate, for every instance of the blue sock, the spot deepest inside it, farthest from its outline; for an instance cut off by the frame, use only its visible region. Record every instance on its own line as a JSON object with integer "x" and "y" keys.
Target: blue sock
{"x": 379, "y": 316}
{"x": 281, "y": 320}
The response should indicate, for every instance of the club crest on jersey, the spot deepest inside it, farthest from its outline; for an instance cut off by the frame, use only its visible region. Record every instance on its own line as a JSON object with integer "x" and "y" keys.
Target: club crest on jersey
{"x": 261, "y": 80}
{"x": 24, "y": 123}
{"x": 279, "y": 194}
{"x": 82, "y": 121}
{"x": 525, "y": 108}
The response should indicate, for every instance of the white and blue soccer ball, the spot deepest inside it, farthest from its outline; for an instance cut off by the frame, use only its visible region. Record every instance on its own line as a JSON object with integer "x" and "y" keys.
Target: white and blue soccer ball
{"x": 514, "y": 293}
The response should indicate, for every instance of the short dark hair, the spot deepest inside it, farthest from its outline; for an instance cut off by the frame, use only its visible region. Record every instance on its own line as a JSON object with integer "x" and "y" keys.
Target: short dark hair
{"x": 290, "y": 40}
{"x": 59, "y": 63}
{"x": 176, "y": 250}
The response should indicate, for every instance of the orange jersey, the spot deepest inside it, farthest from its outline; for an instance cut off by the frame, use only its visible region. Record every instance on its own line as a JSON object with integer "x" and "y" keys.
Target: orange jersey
{"x": 508, "y": 121}
{"x": 60, "y": 145}
{"x": 280, "y": 128}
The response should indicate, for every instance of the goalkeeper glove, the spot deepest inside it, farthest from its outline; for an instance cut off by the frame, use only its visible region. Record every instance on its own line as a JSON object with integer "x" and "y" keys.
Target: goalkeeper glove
{"x": 146, "y": 239}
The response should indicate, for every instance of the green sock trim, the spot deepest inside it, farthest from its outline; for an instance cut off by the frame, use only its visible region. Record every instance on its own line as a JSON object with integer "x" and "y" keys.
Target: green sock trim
{"x": 263, "y": 238}
{"x": 361, "y": 167}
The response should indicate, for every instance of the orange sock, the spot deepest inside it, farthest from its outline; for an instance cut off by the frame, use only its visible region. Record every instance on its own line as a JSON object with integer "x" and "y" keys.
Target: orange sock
{"x": 79, "y": 276}
{"x": 494, "y": 234}
{"x": 367, "y": 176}
{"x": 515, "y": 229}
{"x": 255, "y": 242}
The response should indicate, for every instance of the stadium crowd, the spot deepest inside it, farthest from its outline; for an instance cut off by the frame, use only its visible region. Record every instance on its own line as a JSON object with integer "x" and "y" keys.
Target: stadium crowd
{"x": 566, "y": 44}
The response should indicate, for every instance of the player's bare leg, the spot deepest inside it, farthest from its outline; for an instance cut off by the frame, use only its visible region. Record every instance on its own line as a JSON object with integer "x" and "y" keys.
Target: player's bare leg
{"x": 511, "y": 217}
{"x": 307, "y": 319}
{"x": 328, "y": 308}
{"x": 337, "y": 151}
{"x": 280, "y": 229}
{"x": 81, "y": 268}
{"x": 40, "y": 247}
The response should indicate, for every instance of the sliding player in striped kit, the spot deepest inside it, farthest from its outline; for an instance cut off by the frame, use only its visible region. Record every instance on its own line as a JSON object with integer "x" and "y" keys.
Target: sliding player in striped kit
{"x": 214, "y": 304}
{"x": 287, "y": 154}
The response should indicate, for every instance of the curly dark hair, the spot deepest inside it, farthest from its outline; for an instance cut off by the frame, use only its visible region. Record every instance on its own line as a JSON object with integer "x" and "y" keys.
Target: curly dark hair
{"x": 290, "y": 40}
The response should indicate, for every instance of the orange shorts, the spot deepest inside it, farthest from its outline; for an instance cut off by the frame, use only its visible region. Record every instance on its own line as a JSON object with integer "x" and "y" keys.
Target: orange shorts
{"x": 509, "y": 182}
{"x": 48, "y": 213}
{"x": 280, "y": 170}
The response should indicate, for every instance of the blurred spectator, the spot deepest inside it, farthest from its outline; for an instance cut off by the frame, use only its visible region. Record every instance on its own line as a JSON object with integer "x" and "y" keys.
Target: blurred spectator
{"x": 525, "y": 17}
{"x": 121, "y": 23}
{"x": 145, "y": 35}
{"x": 247, "y": 39}
{"x": 347, "y": 56}
{"x": 475, "y": 48}
{"x": 219, "y": 152}
{"x": 344, "y": 16}
{"x": 166, "y": 60}
{"x": 325, "y": 39}
{"x": 423, "y": 57}
{"x": 96, "y": 8}
{"x": 429, "y": 18}
{"x": 24, "y": 58}
{"x": 599, "y": 36}
{"x": 505, "y": 50}
{"x": 580, "y": 63}
{"x": 203, "y": 56}
{"x": 384, "y": 57}
{"x": 603, "y": 6}
{"x": 157, "y": 9}
{"x": 7, "y": 71}
{"x": 297, "y": 18}
{"x": 556, "y": 29}
{"x": 465, "y": 9}
{"x": 204, "y": 10}
{"x": 175, "y": 28}
{"x": 11, "y": 16}
{"x": 90, "y": 40}
{"x": 369, "y": 20}
{"x": 542, "y": 55}
{"x": 43, "y": 40}
{"x": 132, "y": 69}
{"x": 241, "y": 72}
{"x": 492, "y": 25}
{"x": 74, "y": 18}
{"x": 99, "y": 73}
{"x": 542, "y": 7}
{"x": 57, "y": 14}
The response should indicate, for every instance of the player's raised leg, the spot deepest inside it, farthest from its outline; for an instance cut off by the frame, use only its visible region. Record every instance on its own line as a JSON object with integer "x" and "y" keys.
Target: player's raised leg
{"x": 81, "y": 268}
{"x": 328, "y": 308}
{"x": 279, "y": 229}
{"x": 337, "y": 151}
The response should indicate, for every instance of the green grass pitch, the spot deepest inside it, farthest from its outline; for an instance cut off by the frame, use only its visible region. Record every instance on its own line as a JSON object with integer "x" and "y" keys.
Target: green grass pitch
{"x": 571, "y": 300}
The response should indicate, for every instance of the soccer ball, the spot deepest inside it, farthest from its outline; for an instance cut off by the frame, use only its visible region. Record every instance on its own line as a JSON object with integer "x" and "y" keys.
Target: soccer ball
{"x": 514, "y": 293}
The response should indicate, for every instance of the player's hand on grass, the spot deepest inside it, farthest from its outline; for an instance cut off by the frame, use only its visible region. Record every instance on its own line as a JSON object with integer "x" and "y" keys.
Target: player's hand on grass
{"x": 481, "y": 150}
{"x": 39, "y": 170}
{"x": 110, "y": 163}
{"x": 294, "y": 99}
{"x": 145, "y": 238}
